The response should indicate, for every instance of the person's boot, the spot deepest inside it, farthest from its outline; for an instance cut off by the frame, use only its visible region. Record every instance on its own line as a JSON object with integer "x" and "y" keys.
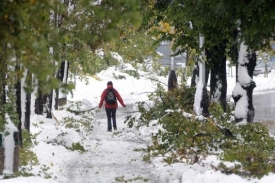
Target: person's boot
{"x": 114, "y": 123}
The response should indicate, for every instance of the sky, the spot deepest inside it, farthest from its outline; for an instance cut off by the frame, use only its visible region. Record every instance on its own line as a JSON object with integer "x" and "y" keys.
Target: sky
{"x": 115, "y": 156}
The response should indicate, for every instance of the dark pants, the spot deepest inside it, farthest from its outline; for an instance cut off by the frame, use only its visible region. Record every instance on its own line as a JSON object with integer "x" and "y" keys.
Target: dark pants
{"x": 111, "y": 115}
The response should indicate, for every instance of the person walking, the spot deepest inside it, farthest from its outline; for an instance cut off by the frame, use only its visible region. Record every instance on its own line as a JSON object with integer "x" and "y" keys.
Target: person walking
{"x": 110, "y": 96}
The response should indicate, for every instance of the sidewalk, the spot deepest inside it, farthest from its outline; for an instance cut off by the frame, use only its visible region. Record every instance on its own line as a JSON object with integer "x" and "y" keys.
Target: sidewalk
{"x": 115, "y": 156}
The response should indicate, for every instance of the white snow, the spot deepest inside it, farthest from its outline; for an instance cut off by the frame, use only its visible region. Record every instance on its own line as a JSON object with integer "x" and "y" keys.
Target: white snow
{"x": 199, "y": 89}
{"x": 243, "y": 81}
{"x": 8, "y": 142}
{"x": 198, "y": 98}
{"x": 116, "y": 156}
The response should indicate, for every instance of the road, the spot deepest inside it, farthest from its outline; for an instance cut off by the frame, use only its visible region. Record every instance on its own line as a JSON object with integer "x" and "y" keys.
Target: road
{"x": 264, "y": 105}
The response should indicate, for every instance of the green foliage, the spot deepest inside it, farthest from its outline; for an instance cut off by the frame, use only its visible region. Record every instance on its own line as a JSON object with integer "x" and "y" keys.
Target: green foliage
{"x": 83, "y": 119}
{"x": 79, "y": 121}
{"x": 182, "y": 137}
{"x": 2, "y": 123}
{"x": 133, "y": 73}
{"x": 251, "y": 22}
{"x": 133, "y": 45}
{"x": 78, "y": 147}
{"x": 39, "y": 35}
{"x": 134, "y": 179}
{"x": 78, "y": 124}
{"x": 27, "y": 158}
{"x": 44, "y": 171}
{"x": 182, "y": 98}
{"x": 129, "y": 120}
{"x": 254, "y": 149}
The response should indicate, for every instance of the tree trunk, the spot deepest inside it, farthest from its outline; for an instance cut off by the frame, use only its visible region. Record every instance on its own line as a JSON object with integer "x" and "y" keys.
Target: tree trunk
{"x": 218, "y": 81}
{"x": 18, "y": 105}
{"x": 58, "y": 21}
{"x": 195, "y": 75}
{"x": 28, "y": 84}
{"x": 207, "y": 71}
{"x": 48, "y": 104}
{"x": 201, "y": 102}
{"x": 205, "y": 102}
{"x": 2, "y": 111}
{"x": 56, "y": 99}
{"x": 234, "y": 51}
{"x": 62, "y": 75}
{"x": 172, "y": 80}
{"x": 242, "y": 93}
{"x": 250, "y": 68}
{"x": 3, "y": 70}
{"x": 39, "y": 103}
{"x": 5, "y": 125}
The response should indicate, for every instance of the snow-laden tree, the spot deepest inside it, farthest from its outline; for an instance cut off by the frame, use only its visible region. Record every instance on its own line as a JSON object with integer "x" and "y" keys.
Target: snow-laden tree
{"x": 225, "y": 26}
{"x": 86, "y": 26}
{"x": 27, "y": 63}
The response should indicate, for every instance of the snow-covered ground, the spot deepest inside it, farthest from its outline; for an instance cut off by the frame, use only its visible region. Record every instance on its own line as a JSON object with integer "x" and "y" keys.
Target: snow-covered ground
{"x": 116, "y": 156}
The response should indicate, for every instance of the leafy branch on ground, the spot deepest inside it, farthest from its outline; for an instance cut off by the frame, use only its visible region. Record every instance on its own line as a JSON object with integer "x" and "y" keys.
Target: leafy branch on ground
{"x": 122, "y": 179}
{"x": 183, "y": 137}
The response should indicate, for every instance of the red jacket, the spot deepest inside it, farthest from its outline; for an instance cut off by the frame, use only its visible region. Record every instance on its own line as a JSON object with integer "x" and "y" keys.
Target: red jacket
{"x": 110, "y": 105}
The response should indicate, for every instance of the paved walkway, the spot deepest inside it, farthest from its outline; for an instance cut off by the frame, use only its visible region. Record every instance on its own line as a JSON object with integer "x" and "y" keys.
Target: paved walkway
{"x": 114, "y": 156}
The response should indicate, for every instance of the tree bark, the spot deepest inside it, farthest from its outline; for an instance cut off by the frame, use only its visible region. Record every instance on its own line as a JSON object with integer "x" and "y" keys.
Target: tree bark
{"x": 56, "y": 99}
{"x": 62, "y": 75}
{"x": 172, "y": 80}
{"x": 48, "y": 103}
{"x": 58, "y": 21}
{"x": 243, "y": 91}
{"x": 195, "y": 75}
{"x": 3, "y": 69}
{"x": 28, "y": 84}
{"x": 250, "y": 68}
{"x": 205, "y": 102}
{"x": 39, "y": 103}
{"x": 234, "y": 51}
{"x": 218, "y": 81}
{"x": 201, "y": 102}
{"x": 18, "y": 104}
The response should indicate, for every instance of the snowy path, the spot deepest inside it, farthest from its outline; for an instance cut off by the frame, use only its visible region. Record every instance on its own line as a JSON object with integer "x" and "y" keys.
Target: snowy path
{"x": 112, "y": 156}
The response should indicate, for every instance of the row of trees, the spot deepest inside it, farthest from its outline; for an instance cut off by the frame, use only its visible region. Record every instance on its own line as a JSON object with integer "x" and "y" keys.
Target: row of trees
{"x": 231, "y": 30}
{"x": 41, "y": 40}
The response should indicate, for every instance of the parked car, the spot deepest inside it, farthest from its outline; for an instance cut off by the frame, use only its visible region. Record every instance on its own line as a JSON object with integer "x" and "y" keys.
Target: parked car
{"x": 262, "y": 67}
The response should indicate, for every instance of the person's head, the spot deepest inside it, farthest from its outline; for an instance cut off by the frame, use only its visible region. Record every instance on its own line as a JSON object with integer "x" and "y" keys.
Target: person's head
{"x": 110, "y": 83}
